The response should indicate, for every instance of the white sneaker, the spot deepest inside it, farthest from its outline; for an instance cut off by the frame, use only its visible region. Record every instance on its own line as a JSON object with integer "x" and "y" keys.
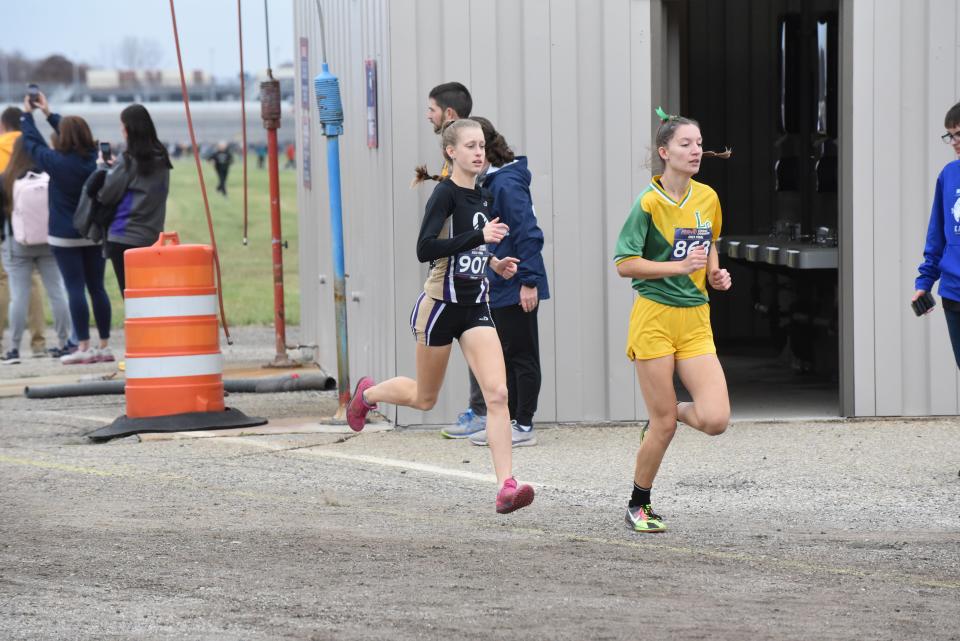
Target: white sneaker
{"x": 104, "y": 355}
{"x": 80, "y": 357}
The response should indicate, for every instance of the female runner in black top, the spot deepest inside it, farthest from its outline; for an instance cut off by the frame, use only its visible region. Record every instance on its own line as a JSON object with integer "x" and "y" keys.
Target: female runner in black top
{"x": 454, "y": 304}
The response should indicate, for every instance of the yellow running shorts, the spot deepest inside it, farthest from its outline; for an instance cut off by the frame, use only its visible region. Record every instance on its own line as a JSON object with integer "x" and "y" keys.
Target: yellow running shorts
{"x": 658, "y": 330}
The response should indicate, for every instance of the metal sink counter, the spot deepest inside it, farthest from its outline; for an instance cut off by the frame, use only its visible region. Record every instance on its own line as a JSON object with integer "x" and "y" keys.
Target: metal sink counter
{"x": 773, "y": 251}
{"x": 736, "y": 246}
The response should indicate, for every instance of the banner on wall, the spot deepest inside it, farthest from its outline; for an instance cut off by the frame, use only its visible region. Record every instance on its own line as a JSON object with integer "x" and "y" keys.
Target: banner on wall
{"x": 305, "y": 112}
{"x": 371, "y": 72}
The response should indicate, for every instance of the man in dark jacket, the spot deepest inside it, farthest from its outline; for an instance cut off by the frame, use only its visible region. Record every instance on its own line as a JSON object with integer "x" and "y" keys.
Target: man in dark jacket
{"x": 222, "y": 158}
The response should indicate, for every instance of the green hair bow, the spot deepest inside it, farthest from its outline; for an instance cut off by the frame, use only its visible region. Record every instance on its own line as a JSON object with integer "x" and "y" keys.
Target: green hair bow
{"x": 663, "y": 115}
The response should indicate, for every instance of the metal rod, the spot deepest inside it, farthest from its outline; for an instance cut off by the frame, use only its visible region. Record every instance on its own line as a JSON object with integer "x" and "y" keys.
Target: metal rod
{"x": 323, "y": 35}
{"x": 266, "y": 20}
{"x": 243, "y": 120}
{"x": 339, "y": 283}
{"x": 203, "y": 187}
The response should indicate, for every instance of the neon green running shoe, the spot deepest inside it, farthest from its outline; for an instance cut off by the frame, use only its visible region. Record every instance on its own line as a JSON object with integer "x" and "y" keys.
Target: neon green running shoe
{"x": 641, "y": 518}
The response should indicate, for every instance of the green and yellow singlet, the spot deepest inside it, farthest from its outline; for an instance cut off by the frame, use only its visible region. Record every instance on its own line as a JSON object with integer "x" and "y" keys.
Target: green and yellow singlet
{"x": 662, "y": 229}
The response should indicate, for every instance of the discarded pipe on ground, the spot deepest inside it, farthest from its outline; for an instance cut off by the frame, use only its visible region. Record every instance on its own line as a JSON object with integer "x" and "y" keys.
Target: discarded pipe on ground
{"x": 270, "y": 385}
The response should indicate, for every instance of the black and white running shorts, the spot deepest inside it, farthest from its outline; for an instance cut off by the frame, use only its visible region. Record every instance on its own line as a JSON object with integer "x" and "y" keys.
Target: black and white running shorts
{"x": 437, "y": 323}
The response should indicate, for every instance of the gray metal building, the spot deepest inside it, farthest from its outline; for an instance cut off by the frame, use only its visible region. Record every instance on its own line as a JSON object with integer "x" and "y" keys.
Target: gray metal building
{"x": 573, "y": 84}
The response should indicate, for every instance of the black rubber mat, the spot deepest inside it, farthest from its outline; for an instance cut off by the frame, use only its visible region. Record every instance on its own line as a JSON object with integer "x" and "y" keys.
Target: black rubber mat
{"x": 125, "y": 426}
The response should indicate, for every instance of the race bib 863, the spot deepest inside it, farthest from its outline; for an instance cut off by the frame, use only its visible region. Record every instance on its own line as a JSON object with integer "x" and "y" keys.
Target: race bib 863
{"x": 686, "y": 239}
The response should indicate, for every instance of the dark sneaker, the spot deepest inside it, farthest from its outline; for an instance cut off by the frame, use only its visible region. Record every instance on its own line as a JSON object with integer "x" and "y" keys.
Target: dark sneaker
{"x": 357, "y": 408}
{"x": 57, "y": 352}
{"x": 12, "y": 357}
{"x": 510, "y": 497}
{"x": 641, "y": 518}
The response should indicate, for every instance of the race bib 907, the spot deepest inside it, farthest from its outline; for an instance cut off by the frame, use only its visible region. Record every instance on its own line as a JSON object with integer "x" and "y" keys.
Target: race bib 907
{"x": 686, "y": 239}
{"x": 471, "y": 265}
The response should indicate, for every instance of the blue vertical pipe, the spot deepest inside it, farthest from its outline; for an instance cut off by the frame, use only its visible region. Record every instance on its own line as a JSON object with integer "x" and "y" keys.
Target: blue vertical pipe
{"x": 327, "y": 89}
{"x": 339, "y": 276}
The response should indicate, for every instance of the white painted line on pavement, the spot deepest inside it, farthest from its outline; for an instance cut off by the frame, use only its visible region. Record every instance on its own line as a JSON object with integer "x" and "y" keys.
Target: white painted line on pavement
{"x": 374, "y": 460}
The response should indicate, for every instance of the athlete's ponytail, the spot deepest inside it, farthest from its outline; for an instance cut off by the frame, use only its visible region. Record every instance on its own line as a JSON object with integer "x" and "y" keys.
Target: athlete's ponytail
{"x": 668, "y": 128}
{"x": 422, "y": 175}
{"x": 449, "y": 137}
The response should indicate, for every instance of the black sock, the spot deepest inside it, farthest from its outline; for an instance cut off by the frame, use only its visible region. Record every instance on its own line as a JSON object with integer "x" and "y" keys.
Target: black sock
{"x": 640, "y": 496}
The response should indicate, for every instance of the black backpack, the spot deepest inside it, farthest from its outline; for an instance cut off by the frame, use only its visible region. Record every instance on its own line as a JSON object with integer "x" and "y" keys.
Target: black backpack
{"x": 92, "y": 219}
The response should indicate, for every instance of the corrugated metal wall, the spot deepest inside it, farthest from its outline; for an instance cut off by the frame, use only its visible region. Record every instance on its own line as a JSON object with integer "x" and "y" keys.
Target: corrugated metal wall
{"x": 568, "y": 84}
{"x": 357, "y": 31}
{"x": 902, "y": 72}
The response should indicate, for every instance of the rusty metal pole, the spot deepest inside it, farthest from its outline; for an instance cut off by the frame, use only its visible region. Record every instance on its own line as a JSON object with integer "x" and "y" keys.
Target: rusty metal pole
{"x": 270, "y": 113}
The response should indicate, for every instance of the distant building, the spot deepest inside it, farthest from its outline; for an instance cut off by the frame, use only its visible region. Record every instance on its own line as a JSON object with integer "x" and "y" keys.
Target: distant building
{"x": 152, "y": 85}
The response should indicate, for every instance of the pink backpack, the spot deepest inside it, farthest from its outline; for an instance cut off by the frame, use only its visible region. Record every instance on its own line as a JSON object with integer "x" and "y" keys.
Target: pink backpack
{"x": 31, "y": 209}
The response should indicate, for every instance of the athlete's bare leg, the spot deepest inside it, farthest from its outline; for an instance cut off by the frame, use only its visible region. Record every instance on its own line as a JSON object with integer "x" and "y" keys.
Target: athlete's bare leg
{"x": 710, "y": 410}
{"x": 656, "y": 383}
{"x": 481, "y": 348}
{"x": 421, "y": 393}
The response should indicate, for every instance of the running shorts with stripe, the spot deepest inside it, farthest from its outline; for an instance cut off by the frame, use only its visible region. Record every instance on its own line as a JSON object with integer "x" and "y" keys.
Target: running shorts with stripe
{"x": 436, "y": 323}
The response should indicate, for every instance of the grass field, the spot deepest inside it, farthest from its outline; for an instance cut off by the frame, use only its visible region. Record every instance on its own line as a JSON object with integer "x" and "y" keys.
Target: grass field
{"x": 247, "y": 271}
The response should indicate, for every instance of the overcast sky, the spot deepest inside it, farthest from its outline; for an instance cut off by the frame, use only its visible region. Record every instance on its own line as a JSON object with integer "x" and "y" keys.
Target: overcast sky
{"x": 89, "y": 31}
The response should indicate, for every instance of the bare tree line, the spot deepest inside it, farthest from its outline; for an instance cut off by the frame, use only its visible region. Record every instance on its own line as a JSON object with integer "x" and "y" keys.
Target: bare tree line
{"x": 130, "y": 53}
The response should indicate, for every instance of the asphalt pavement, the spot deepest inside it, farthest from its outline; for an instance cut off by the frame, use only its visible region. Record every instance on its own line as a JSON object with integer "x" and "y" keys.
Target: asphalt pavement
{"x": 792, "y": 530}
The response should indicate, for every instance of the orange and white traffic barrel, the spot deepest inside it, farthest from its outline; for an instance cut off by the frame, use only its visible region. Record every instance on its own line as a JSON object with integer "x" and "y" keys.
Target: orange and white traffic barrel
{"x": 173, "y": 359}
{"x": 174, "y": 368}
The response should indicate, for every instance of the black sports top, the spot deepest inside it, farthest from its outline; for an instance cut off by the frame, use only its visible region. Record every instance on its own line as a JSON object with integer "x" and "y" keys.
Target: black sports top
{"x": 451, "y": 239}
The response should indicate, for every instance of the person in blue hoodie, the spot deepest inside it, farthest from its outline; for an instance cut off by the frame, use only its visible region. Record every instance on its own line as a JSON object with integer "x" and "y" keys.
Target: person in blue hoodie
{"x": 941, "y": 255}
{"x": 81, "y": 261}
{"x": 514, "y": 302}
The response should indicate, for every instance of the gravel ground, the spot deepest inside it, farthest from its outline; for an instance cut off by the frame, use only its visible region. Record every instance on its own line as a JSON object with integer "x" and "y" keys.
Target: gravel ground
{"x": 831, "y": 530}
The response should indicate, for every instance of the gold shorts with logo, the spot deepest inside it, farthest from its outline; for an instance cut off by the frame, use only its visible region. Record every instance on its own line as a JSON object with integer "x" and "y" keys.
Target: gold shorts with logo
{"x": 658, "y": 330}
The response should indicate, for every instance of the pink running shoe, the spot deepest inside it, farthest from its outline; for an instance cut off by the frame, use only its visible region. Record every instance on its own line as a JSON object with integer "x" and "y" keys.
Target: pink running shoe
{"x": 510, "y": 497}
{"x": 358, "y": 408}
